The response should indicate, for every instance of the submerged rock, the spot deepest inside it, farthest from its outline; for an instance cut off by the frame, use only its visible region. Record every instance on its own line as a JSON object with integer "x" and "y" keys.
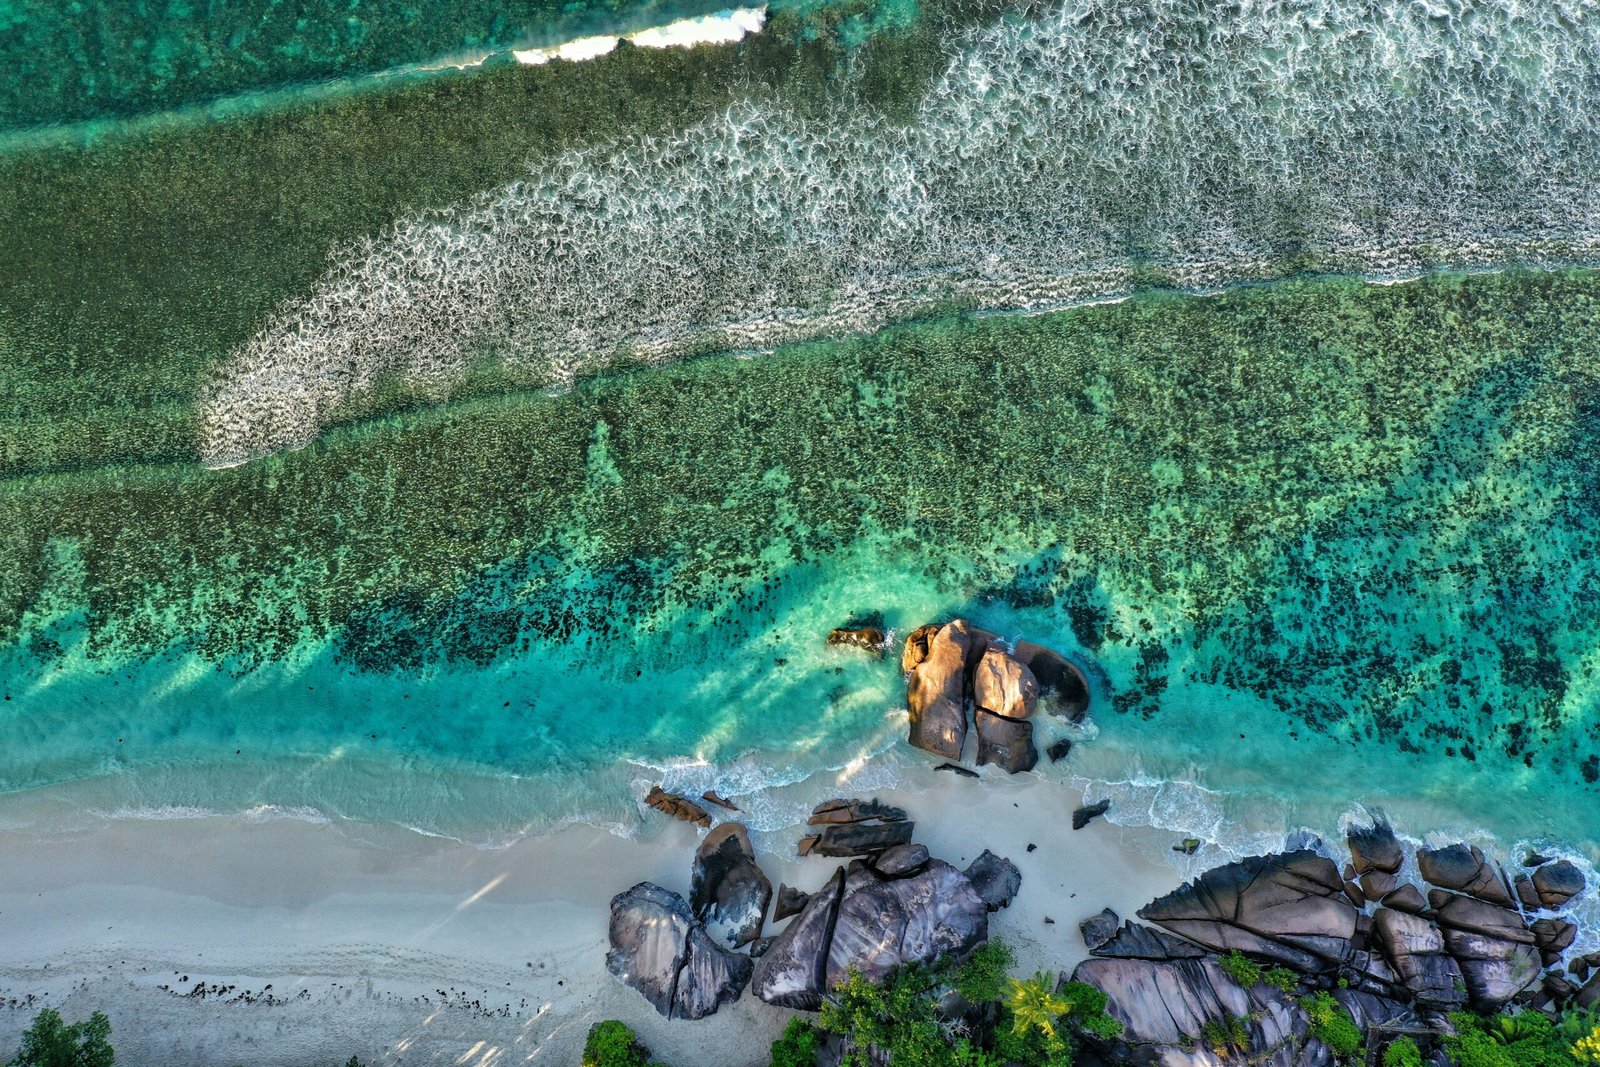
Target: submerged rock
{"x": 995, "y": 878}
{"x": 729, "y": 892}
{"x": 1289, "y": 908}
{"x": 1059, "y": 750}
{"x": 957, "y": 769}
{"x": 869, "y": 638}
{"x": 1006, "y": 743}
{"x": 937, "y": 689}
{"x": 678, "y": 807}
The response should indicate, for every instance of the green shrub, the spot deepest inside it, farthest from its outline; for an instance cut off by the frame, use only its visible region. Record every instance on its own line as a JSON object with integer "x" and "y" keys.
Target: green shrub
{"x": 1402, "y": 1052}
{"x": 1244, "y": 971}
{"x": 1527, "y": 1039}
{"x": 1088, "y": 1011}
{"x": 1330, "y": 1023}
{"x": 983, "y": 977}
{"x": 1282, "y": 979}
{"x": 1227, "y": 1035}
{"x": 51, "y": 1043}
{"x": 612, "y": 1044}
{"x": 797, "y": 1047}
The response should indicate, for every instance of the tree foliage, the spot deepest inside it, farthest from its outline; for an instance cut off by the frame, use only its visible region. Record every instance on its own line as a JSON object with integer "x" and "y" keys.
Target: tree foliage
{"x": 50, "y": 1042}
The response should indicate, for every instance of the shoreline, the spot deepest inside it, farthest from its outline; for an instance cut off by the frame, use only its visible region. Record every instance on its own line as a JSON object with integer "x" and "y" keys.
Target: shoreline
{"x": 357, "y": 933}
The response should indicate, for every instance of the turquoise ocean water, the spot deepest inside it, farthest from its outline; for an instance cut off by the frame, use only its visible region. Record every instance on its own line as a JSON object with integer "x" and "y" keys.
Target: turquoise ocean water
{"x": 471, "y": 453}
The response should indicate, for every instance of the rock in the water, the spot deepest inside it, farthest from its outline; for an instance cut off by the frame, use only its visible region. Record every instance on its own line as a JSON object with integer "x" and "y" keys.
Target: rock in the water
{"x": 649, "y": 941}
{"x": 837, "y": 811}
{"x": 678, "y": 807}
{"x": 937, "y": 690}
{"x": 711, "y": 796}
{"x": 1289, "y": 908}
{"x": 1522, "y": 886}
{"x": 1558, "y": 882}
{"x": 867, "y": 637}
{"x": 659, "y": 950}
{"x": 1464, "y": 869}
{"x": 902, "y": 860}
{"x": 958, "y": 769}
{"x": 1188, "y": 846}
{"x": 916, "y": 647}
{"x": 1060, "y": 681}
{"x": 790, "y": 902}
{"x": 1374, "y": 848}
{"x": 793, "y": 971}
{"x": 711, "y": 977}
{"x": 729, "y": 892}
{"x": 1002, "y": 686}
{"x": 1007, "y": 743}
{"x": 1407, "y": 898}
{"x": 883, "y": 923}
{"x": 861, "y": 838}
{"x": 1098, "y": 929}
{"x": 1059, "y": 750}
{"x": 1415, "y": 949}
{"x": 1554, "y": 935}
{"x": 1088, "y": 813}
{"x": 995, "y": 878}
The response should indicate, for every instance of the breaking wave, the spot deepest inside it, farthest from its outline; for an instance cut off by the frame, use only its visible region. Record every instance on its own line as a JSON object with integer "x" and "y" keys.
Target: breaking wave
{"x": 1057, "y": 159}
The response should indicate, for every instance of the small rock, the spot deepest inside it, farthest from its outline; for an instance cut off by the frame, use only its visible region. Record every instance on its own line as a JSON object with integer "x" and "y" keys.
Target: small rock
{"x": 1188, "y": 846}
{"x": 1375, "y": 885}
{"x": 1059, "y": 750}
{"x": 864, "y": 637}
{"x": 791, "y": 901}
{"x": 1099, "y": 929}
{"x": 1089, "y": 812}
{"x": 711, "y": 796}
{"x": 1535, "y": 859}
{"x": 1007, "y": 743}
{"x": 1464, "y": 869}
{"x": 1060, "y": 681}
{"x": 1032, "y": 846}
{"x": 958, "y": 769}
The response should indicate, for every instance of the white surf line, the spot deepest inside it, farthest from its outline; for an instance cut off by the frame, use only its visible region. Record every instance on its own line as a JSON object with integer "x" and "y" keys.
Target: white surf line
{"x": 723, "y": 27}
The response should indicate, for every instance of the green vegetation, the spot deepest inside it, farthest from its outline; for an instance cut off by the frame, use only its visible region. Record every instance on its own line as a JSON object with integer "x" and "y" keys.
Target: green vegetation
{"x": 612, "y": 1044}
{"x": 1526, "y": 1039}
{"x": 1227, "y": 1036}
{"x": 1281, "y": 978}
{"x": 983, "y": 977}
{"x": 49, "y": 1042}
{"x": 1402, "y": 1052}
{"x": 797, "y": 1046}
{"x": 1242, "y": 970}
{"x": 1331, "y": 1024}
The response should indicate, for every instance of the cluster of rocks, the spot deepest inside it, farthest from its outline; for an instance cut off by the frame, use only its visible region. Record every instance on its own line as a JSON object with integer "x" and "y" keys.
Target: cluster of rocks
{"x": 953, "y": 666}
{"x": 894, "y": 904}
{"x": 1394, "y": 958}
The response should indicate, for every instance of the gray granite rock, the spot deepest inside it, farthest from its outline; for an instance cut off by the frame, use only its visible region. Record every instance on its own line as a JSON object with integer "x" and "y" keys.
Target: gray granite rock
{"x": 1062, "y": 685}
{"x": 793, "y": 972}
{"x": 1558, "y": 882}
{"x": 658, "y": 949}
{"x": 995, "y": 878}
{"x": 902, "y": 860}
{"x": 1465, "y": 870}
{"x": 883, "y": 923}
{"x": 728, "y": 891}
{"x": 1098, "y": 929}
{"x": 1288, "y": 908}
{"x": 791, "y": 901}
{"x": 1136, "y": 941}
{"x": 711, "y": 977}
{"x": 861, "y": 838}
{"x": 1415, "y": 948}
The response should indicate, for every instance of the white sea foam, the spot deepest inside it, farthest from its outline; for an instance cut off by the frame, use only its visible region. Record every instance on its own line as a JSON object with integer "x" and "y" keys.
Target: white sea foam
{"x": 724, "y": 27}
{"x": 1052, "y": 156}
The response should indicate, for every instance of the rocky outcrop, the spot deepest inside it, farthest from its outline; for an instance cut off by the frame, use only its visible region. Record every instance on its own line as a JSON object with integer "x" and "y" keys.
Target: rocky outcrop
{"x": 1062, "y": 685}
{"x": 792, "y": 973}
{"x": 1288, "y": 908}
{"x": 885, "y": 922}
{"x": 1465, "y": 870}
{"x": 856, "y": 839}
{"x": 1556, "y": 883}
{"x": 1006, "y": 743}
{"x": 937, "y": 688}
{"x": 678, "y": 807}
{"x": 995, "y": 878}
{"x": 1415, "y": 950}
{"x": 729, "y": 892}
{"x": 843, "y": 810}
{"x": 1135, "y": 941}
{"x": 1374, "y": 848}
{"x": 658, "y": 949}
{"x": 1495, "y": 952}
{"x": 1175, "y": 1013}
{"x": 872, "y": 917}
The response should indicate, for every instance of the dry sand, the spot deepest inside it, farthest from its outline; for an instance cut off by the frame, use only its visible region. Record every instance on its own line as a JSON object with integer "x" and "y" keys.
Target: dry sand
{"x": 330, "y": 940}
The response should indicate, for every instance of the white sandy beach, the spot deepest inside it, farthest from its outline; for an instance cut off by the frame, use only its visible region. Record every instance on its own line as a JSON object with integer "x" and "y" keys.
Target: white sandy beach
{"x": 337, "y": 940}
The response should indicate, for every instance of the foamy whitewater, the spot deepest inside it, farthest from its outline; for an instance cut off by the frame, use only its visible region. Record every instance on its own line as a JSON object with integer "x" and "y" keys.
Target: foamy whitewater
{"x": 1057, "y": 159}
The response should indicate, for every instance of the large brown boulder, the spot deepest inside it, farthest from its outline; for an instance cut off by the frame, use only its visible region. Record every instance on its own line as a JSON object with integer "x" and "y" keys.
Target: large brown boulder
{"x": 1061, "y": 683}
{"x": 937, "y": 689}
{"x": 1006, "y": 743}
{"x": 1497, "y": 954}
{"x": 1558, "y": 882}
{"x": 1003, "y": 686}
{"x": 1465, "y": 870}
{"x": 1289, "y": 908}
{"x": 729, "y": 892}
{"x": 1374, "y": 848}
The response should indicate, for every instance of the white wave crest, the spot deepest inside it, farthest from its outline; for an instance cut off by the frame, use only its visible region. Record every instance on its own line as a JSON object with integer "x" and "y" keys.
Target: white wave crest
{"x": 1223, "y": 142}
